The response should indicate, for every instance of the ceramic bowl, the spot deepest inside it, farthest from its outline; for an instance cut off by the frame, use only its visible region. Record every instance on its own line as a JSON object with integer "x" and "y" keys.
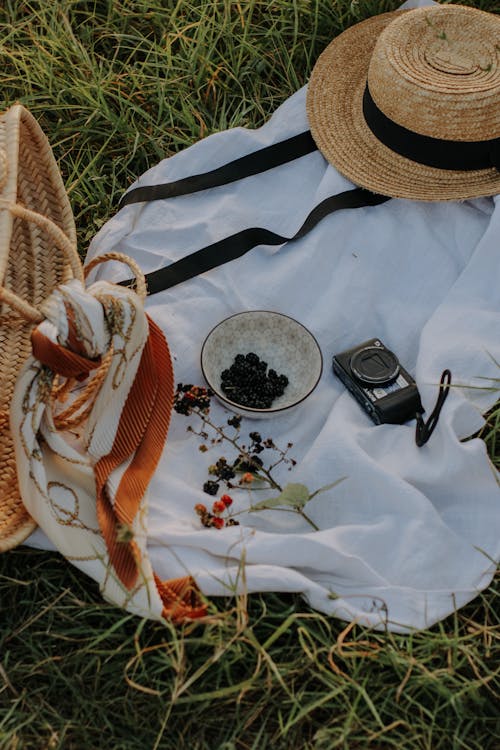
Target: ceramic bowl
{"x": 285, "y": 344}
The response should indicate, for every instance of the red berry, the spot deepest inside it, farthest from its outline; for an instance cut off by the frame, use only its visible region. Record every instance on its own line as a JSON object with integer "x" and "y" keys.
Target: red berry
{"x": 218, "y": 523}
{"x": 227, "y": 500}
{"x": 218, "y": 507}
{"x": 200, "y": 509}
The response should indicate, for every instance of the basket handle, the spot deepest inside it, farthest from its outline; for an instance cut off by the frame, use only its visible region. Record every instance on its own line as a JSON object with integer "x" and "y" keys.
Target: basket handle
{"x": 60, "y": 240}
{"x": 141, "y": 288}
{"x": 3, "y": 168}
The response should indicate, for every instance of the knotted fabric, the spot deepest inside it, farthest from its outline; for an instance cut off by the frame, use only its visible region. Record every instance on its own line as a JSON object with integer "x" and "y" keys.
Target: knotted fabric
{"x": 90, "y": 415}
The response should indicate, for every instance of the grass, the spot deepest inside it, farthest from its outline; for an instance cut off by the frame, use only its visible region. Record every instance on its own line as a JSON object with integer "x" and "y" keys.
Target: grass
{"x": 268, "y": 674}
{"x": 117, "y": 85}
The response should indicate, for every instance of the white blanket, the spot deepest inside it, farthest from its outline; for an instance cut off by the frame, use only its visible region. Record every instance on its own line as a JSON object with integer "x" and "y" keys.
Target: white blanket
{"x": 412, "y": 533}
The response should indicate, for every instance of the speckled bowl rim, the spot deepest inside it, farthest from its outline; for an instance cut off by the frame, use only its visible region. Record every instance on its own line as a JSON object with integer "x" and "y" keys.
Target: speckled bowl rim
{"x": 250, "y": 409}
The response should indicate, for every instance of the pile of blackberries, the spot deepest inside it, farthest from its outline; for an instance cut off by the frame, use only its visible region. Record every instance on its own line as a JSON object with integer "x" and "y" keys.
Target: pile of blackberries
{"x": 249, "y": 383}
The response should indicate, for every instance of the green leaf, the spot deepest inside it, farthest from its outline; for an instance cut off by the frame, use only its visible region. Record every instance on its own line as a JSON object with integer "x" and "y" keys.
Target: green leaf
{"x": 326, "y": 487}
{"x": 293, "y": 494}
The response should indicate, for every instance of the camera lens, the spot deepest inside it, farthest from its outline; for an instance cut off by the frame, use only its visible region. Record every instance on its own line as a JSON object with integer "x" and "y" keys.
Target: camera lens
{"x": 373, "y": 365}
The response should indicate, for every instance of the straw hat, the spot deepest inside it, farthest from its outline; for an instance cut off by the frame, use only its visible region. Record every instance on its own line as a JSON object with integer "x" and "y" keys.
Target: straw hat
{"x": 37, "y": 252}
{"x": 407, "y": 104}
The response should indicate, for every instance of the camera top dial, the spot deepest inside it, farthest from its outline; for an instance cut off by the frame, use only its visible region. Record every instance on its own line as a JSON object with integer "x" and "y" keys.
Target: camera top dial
{"x": 374, "y": 365}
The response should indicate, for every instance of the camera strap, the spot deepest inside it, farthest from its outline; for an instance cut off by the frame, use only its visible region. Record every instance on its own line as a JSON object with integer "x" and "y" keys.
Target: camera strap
{"x": 425, "y": 429}
{"x": 236, "y": 245}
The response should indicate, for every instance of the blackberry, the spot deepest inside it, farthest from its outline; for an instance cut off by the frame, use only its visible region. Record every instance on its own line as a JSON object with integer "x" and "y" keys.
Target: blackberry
{"x": 248, "y": 383}
{"x": 223, "y": 470}
{"x": 182, "y": 408}
{"x": 227, "y": 474}
{"x": 251, "y": 464}
{"x": 211, "y": 487}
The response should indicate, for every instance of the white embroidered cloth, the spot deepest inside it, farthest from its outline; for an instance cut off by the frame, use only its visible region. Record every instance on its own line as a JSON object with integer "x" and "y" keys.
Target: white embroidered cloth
{"x": 412, "y": 533}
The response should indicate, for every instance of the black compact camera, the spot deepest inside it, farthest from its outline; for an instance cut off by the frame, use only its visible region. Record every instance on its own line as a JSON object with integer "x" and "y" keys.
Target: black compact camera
{"x": 378, "y": 382}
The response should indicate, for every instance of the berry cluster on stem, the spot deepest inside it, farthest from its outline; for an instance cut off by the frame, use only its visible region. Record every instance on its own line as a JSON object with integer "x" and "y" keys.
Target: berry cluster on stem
{"x": 247, "y": 470}
{"x": 215, "y": 519}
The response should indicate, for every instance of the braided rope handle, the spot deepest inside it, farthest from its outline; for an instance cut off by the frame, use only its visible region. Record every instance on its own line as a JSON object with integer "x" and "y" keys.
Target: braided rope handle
{"x": 140, "y": 281}
{"x": 61, "y": 241}
{"x": 75, "y": 414}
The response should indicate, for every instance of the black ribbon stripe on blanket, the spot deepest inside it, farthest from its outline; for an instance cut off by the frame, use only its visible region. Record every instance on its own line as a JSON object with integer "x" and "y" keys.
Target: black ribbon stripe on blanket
{"x": 245, "y": 166}
{"x": 236, "y": 245}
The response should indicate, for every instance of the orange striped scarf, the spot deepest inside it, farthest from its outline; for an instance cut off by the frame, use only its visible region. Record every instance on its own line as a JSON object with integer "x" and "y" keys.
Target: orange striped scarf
{"x": 90, "y": 416}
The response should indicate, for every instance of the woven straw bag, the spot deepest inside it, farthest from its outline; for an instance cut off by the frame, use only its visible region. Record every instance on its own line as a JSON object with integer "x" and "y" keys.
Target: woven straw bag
{"x": 37, "y": 252}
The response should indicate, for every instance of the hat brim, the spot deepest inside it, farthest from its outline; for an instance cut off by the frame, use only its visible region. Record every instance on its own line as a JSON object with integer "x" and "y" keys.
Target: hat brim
{"x": 335, "y": 114}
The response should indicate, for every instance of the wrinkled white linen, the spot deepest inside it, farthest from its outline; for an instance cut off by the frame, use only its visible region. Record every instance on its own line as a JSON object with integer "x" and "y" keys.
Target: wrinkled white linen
{"x": 412, "y": 533}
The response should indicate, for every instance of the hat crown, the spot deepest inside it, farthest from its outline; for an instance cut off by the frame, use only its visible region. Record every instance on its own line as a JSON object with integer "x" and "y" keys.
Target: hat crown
{"x": 436, "y": 71}
{"x": 455, "y": 58}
